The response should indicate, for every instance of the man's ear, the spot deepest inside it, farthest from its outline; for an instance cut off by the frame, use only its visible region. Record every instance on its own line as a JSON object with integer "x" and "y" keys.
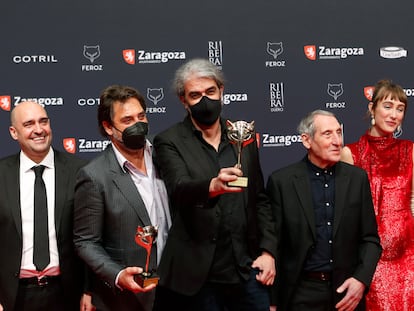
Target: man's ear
{"x": 13, "y": 132}
{"x": 107, "y": 127}
{"x": 182, "y": 100}
{"x": 306, "y": 140}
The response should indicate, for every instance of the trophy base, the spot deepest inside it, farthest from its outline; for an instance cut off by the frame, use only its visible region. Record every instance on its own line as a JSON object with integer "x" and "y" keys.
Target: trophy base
{"x": 145, "y": 279}
{"x": 239, "y": 182}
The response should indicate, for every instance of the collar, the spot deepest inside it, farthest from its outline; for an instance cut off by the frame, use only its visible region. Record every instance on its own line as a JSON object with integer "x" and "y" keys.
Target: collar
{"x": 122, "y": 161}
{"x": 26, "y": 163}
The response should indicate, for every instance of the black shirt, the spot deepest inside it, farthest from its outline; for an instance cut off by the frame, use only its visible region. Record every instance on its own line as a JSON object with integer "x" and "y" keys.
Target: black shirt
{"x": 322, "y": 183}
{"x": 232, "y": 230}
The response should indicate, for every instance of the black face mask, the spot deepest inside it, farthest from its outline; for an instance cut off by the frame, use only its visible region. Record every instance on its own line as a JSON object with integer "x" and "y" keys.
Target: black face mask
{"x": 134, "y": 136}
{"x": 206, "y": 111}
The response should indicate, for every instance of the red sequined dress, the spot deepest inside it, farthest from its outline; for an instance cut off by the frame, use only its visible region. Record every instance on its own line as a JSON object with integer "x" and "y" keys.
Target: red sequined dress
{"x": 389, "y": 164}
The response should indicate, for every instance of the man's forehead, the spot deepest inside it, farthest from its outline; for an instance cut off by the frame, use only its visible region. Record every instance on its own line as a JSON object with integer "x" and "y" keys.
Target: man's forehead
{"x": 323, "y": 123}
{"x": 29, "y": 113}
{"x": 200, "y": 83}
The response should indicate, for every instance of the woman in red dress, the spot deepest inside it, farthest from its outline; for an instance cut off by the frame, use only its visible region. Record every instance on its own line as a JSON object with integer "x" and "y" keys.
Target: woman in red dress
{"x": 389, "y": 164}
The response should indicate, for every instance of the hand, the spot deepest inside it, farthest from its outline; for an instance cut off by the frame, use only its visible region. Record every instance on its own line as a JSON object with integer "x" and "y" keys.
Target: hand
{"x": 126, "y": 280}
{"x": 86, "y": 303}
{"x": 272, "y": 308}
{"x": 266, "y": 265}
{"x": 1, "y": 307}
{"x": 218, "y": 185}
{"x": 354, "y": 292}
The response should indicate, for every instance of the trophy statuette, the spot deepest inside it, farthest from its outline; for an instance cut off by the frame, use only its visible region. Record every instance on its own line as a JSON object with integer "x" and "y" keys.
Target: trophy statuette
{"x": 146, "y": 237}
{"x": 240, "y": 133}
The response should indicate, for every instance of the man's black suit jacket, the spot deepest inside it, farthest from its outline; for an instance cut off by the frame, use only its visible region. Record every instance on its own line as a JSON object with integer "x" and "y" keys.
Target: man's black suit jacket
{"x": 356, "y": 245}
{"x": 186, "y": 170}
{"x": 71, "y": 267}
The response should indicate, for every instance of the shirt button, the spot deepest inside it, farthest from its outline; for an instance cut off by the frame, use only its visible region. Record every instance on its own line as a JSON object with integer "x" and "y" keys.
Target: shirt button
{"x": 328, "y": 223}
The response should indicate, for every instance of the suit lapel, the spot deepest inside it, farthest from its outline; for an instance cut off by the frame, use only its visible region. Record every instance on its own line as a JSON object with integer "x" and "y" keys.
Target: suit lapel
{"x": 342, "y": 182}
{"x": 126, "y": 186}
{"x": 61, "y": 184}
{"x": 194, "y": 149}
{"x": 13, "y": 189}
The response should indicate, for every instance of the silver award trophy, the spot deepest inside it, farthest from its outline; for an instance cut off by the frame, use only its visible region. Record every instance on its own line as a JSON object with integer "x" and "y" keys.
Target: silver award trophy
{"x": 241, "y": 134}
{"x": 145, "y": 237}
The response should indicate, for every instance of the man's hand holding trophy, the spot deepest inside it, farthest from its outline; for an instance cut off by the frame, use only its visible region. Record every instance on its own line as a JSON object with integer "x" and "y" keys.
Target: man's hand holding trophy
{"x": 240, "y": 133}
{"x": 146, "y": 237}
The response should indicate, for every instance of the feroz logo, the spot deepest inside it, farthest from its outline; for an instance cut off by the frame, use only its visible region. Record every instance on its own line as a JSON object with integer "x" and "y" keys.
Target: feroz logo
{"x": 310, "y": 51}
{"x": 155, "y": 95}
{"x": 215, "y": 53}
{"x": 91, "y": 52}
{"x": 368, "y": 92}
{"x": 5, "y": 102}
{"x": 69, "y": 144}
{"x": 129, "y": 56}
{"x": 335, "y": 90}
{"x": 274, "y": 48}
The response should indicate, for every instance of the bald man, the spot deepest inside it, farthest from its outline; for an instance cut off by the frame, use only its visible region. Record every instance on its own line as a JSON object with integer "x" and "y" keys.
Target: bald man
{"x": 59, "y": 282}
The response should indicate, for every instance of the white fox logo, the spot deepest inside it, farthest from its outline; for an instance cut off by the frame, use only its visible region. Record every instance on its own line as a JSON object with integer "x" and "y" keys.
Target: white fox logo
{"x": 335, "y": 90}
{"x": 155, "y": 95}
{"x": 91, "y": 52}
{"x": 274, "y": 49}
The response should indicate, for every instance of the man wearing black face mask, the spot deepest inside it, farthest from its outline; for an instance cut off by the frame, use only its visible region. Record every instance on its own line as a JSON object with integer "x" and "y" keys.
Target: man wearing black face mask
{"x": 219, "y": 252}
{"x": 115, "y": 193}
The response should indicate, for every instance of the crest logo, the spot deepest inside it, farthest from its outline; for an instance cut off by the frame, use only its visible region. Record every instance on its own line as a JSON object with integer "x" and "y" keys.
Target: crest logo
{"x": 91, "y": 52}
{"x": 5, "y": 102}
{"x": 274, "y": 49}
{"x": 368, "y": 92}
{"x": 155, "y": 95}
{"x": 129, "y": 56}
{"x": 310, "y": 51}
{"x": 335, "y": 90}
{"x": 69, "y": 144}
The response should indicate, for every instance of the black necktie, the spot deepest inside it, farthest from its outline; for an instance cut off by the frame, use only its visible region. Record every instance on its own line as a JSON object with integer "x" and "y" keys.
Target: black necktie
{"x": 41, "y": 256}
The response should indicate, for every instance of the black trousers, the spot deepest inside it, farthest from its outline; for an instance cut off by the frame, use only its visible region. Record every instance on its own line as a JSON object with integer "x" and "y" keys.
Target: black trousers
{"x": 34, "y": 297}
{"x": 312, "y": 295}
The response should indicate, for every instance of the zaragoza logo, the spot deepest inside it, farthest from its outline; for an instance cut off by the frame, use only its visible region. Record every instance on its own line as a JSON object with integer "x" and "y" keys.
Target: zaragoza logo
{"x": 5, "y": 102}
{"x": 368, "y": 92}
{"x": 310, "y": 51}
{"x": 69, "y": 144}
{"x": 129, "y": 56}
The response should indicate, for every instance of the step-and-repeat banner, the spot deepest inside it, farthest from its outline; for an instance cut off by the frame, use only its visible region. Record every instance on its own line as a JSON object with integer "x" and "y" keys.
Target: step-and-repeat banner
{"x": 281, "y": 60}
